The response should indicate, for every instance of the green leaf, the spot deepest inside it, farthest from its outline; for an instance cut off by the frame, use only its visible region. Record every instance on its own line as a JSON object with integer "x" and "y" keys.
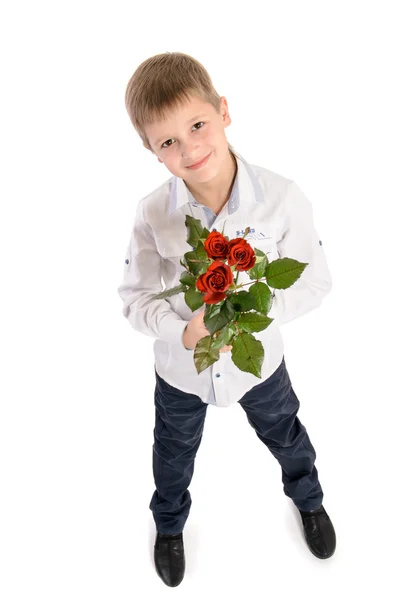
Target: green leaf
{"x": 260, "y": 255}
{"x": 219, "y": 319}
{"x": 259, "y": 268}
{"x": 171, "y": 292}
{"x": 195, "y": 230}
{"x": 283, "y": 272}
{"x": 197, "y": 260}
{"x": 194, "y": 299}
{"x": 211, "y": 310}
{"x": 248, "y": 354}
{"x": 188, "y": 279}
{"x": 262, "y": 295}
{"x": 204, "y": 354}
{"x": 253, "y": 321}
{"x": 243, "y": 301}
{"x": 204, "y": 234}
{"x": 223, "y": 338}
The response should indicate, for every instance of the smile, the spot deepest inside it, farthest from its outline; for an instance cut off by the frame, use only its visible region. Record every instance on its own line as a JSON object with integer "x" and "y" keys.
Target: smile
{"x": 201, "y": 163}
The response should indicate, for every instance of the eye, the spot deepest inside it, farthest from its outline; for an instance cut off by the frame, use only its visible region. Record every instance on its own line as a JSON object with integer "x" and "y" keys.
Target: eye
{"x": 162, "y": 145}
{"x": 166, "y": 142}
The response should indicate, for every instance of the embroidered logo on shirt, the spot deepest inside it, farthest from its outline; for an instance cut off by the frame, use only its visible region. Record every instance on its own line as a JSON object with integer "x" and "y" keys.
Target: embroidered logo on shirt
{"x": 252, "y": 235}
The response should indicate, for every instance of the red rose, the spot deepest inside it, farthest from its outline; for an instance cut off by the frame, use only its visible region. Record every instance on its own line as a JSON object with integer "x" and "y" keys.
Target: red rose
{"x": 241, "y": 254}
{"x": 216, "y": 245}
{"x": 215, "y": 281}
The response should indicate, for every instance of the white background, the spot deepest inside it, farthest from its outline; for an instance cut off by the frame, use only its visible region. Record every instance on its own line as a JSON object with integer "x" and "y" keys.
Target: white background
{"x": 310, "y": 92}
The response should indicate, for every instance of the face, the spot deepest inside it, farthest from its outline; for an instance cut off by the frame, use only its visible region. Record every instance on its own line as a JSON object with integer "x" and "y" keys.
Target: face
{"x": 194, "y": 132}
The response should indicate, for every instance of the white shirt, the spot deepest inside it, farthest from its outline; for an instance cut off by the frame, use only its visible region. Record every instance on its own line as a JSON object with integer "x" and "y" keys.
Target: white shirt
{"x": 281, "y": 221}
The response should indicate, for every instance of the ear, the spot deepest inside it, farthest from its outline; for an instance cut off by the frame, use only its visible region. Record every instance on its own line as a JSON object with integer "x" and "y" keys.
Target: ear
{"x": 225, "y": 112}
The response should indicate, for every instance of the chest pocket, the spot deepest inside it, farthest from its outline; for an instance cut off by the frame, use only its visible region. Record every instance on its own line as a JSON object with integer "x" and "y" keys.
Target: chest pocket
{"x": 173, "y": 247}
{"x": 267, "y": 244}
{"x": 263, "y": 237}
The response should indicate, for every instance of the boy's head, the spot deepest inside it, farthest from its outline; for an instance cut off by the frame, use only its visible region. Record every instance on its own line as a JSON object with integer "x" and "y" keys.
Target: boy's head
{"x": 178, "y": 114}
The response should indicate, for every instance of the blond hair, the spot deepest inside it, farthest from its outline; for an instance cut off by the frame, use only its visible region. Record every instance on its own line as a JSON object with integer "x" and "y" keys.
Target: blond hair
{"x": 162, "y": 83}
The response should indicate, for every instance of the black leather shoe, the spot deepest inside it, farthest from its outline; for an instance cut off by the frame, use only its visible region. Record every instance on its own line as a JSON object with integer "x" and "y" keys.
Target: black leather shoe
{"x": 169, "y": 558}
{"x": 319, "y": 532}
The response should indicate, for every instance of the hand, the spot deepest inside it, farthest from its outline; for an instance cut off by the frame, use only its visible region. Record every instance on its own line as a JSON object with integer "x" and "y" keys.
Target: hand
{"x": 225, "y": 348}
{"x": 196, "y": 330}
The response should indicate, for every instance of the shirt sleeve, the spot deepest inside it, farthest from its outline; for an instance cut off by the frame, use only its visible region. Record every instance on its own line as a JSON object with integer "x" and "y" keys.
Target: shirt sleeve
{"x": 142, "y": 281}
{"x": 301, "y": 241}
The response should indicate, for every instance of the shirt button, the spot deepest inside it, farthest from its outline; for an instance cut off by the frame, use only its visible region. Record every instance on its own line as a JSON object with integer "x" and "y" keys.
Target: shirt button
{"x": 218, "y": 375}
{"x": 126, "y": 261}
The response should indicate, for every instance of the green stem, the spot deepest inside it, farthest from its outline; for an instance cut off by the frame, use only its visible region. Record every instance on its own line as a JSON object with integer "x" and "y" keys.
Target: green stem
{"x": 250, "y": 282}
{"x": 235, "y": 283}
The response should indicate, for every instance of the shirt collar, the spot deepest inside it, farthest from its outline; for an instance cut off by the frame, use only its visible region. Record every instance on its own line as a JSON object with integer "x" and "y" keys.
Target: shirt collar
{"x": 246, "y": 186}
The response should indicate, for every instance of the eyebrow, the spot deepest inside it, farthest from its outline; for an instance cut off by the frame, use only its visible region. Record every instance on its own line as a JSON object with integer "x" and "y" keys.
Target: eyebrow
{"x": 189, "y": 121}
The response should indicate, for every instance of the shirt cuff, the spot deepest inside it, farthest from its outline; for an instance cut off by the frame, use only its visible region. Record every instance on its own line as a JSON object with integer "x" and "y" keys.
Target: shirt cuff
{"x": 188, "y": 349}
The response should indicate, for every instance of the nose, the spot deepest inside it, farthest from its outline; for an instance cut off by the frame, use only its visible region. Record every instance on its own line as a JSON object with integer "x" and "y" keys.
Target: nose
{"x": 189, "y": 150}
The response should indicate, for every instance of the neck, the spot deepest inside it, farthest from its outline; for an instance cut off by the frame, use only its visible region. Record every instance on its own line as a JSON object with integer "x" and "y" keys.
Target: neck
{"x": 215, "y": 194}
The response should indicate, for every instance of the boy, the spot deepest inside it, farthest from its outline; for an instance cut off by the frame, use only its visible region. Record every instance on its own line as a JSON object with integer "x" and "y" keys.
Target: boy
{"x": 181, "y": 119}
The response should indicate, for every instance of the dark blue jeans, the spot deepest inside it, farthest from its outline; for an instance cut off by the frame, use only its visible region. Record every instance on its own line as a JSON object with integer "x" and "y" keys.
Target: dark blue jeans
{"x": 271, "y": 409}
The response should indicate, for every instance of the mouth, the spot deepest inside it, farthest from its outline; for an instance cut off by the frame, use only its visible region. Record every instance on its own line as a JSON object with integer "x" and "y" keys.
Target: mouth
{"x": 201, "y": 163}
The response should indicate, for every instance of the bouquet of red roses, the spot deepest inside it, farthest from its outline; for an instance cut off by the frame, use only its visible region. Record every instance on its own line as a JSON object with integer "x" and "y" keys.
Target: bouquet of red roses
{"x": 231, "y": 316}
